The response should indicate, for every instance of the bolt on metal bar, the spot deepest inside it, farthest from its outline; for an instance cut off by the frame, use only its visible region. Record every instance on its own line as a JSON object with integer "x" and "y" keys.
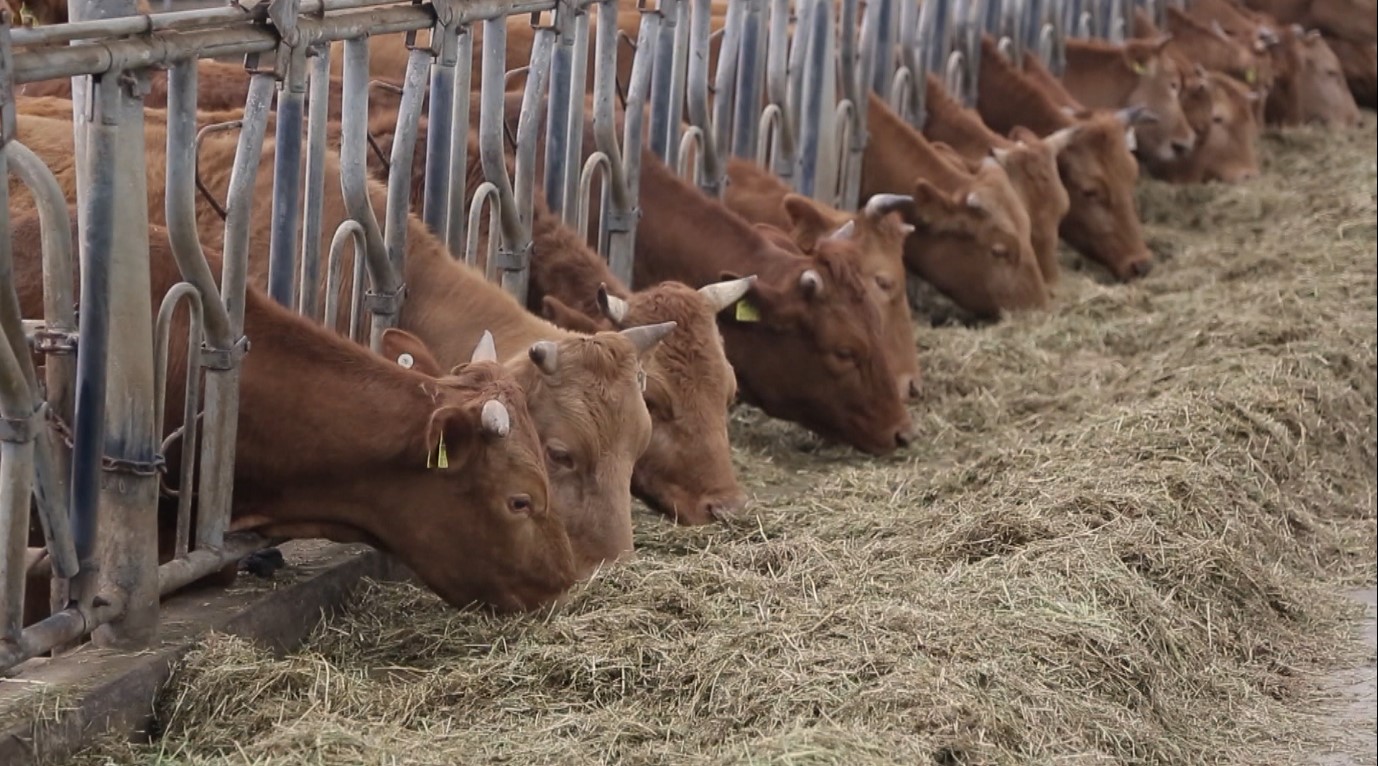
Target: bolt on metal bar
{"x": 318, "y": 114}
{"x": 53, "y": 466}
{"x": 162, "y": 332}
{"x": 386, "y": 280}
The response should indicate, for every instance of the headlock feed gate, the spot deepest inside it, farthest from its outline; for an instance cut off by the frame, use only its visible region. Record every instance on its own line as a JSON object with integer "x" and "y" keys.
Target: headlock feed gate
{"x": 81, "y": 446}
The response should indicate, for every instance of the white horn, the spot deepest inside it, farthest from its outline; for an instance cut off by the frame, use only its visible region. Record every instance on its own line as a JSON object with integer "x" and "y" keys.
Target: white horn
{"x": 810, "y": 282}
{"x": 486, "y": 350}
{"x": 1001, "y": 155}
{"x": 545, "y": 354}
{"x": 880, "y": 204}
{"x": 974, "y": 202}
{"x": 844, "y": 232}
{"x": 720, "y": 295}
{"x": 646, "y": 336}
{"x": 494, "y": 419}
{"x": 1061, "y": 139}
{"x": 613, "y": 307}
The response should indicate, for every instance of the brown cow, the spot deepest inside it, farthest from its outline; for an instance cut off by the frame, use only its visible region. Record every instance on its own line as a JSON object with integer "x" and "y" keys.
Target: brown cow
{"x": 583, "y": 392}
{"x": 1349, "y": 29}
{"x": 760, "y": 196}
{"x": 1030, "y": 162}
{"x": 1360, "y": 63}
{"x": 306, "y": 466}
{"x": 1228, "y": 152}
{"x": 686, "y": 473}
{"x": 1093, "y": 160}
{"x": 1213, "y": 49}
{"x": 972, "y": 241}
{"x": 806, "y": 341}
{"x": 1101, "y": 75}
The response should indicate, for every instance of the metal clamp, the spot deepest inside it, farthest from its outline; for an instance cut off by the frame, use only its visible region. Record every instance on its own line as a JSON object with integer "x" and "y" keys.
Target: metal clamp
{"x": 224, "y": 358}
{"x": 617, "y": 220}
{"x": 52, "y": 342}
{"x": 514, "y": 260}
{"x": 385, "y": 303}
{"x": 23, "y": 430}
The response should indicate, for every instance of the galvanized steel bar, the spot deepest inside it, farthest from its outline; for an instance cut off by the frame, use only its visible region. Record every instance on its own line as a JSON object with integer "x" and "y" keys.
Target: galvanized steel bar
{"x": 349, "y": 230}
{"x": 318, "y": 114}
{"x": 511, "y": 255}
{"x": 401, "y": 156}
{"x": 854, "y": 90}
{"x": 435, "y": 207}
{"x": 162, "y": 332}
{"x": 725, "y": 87}
{"x": 750, "y": 66}
{"x": 574, "y": 140}
{"x": 184, "y": 570}
{"x": 812, "y": 120}
{"x": 485, "y": 193}
{"x": 459, "y": 142}
{"x": 386, "y": 290}
{"x": 664, "y": 74}
{"x": 561, "y": 90}
{"x": 783, "y": 134}
{"x": 57, "y": 629}
{"x": 286, "y": 210}
{"x": 53, "y": 465}
{"x": 516, "y": 269}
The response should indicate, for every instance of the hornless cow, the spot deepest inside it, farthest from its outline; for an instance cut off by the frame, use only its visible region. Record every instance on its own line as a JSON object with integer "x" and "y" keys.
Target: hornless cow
{"x": 1228, "y": 153}
{"x": 1101, "y": 75}
{"x": 1093, "y": 161}
{"x": 973, "y": 236}
{"x": 1029, "y": 161}
{"x": 583, "y": 392}
{"x": 336, "y": 442}
{"x": 760, "y": 196}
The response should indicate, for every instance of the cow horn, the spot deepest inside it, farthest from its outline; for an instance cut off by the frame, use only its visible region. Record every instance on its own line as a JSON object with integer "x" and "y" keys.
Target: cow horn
{"x": 1061, "y": 139}
{"x": 1217, "y": 29}
{"x": 1000, "y": 155}
{"x": 810, "y": 282}
{"x": 546, "y": 356}
{"x": 646, "y": 336}
{"x": 974, "y": 202}
{"x": 613, "y": 307}
{"x": 1131, "y": 139}
{"x": 720, "y": 295}
{"x": 494, "y": 418}
{"x": 881, "y": 204}
{"x": 843, "y": 232}
{"x": 486, "y": 350}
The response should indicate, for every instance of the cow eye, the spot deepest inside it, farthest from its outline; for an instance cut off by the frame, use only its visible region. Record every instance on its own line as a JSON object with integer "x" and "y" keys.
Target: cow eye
{"x": 1090, "y": 192}
{"x": 884, "y": 283}
{"x": 557, "y": 454}
{"x": 1218, "y": 119}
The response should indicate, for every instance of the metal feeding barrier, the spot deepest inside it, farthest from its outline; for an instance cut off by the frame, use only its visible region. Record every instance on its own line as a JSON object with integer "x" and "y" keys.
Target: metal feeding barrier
{"x": 82, "y": 444}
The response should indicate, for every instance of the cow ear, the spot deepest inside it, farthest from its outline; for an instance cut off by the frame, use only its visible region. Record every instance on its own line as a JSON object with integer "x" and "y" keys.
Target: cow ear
{"x": 561, "y": 315}
{"x": 930, "y": 204}
{"x": 760, "y": 302}
{"x": 407, "y": 350}
{"x": 811, "y": 221}
{"x": 450, "y": 434}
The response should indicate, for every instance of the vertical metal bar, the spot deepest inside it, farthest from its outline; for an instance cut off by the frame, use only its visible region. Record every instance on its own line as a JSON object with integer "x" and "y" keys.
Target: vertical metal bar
{"x": 777, "y": 92}
{"x": 664, "y": 70}
{"x": 435, "y": 209}
{"x": 725, "y": 84}
{"x": 117, "y": 234}
{"x": 286, "y": 215}
{"x": 515, "y": 248}
{"x": 813, "y": 115}
{"x": 574, "y": 147}
{"x": 750, "y": 63}
{"x": 51, "y": 465}
{"x": 318, "y": 114}
{"x": 621, "y": 229}
{"x": 561, "y": 90}
{"x": 386, "y": 292}
{"x": 400, "y": 159}
{"x": 459, "y": 142}
{"x": 712, "y": 168}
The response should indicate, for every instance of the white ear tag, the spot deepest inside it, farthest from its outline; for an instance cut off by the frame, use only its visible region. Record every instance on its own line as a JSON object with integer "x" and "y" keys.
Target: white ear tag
{"x": 406, "y": 360}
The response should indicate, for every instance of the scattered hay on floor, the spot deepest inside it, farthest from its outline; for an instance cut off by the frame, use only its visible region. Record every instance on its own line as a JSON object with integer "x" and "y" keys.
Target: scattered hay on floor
{"x": 1117, "y": 542}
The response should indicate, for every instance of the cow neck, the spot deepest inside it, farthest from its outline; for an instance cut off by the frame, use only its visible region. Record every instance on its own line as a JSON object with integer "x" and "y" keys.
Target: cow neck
{"x": 377, "y": 411}
{"x": 955, "y": 125}
{"x": 689, "y": 236}
{"x": 1008, "y": 98}
{"x": 760, "y": 194}
{"x": 1104, "y": 65}
{"x": 449, "y": 304}
{"x": 563, "y": 266}
{"x": 901, "y": 157}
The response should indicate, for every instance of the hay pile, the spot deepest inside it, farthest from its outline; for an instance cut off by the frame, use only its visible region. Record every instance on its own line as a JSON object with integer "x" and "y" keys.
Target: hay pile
{"x": 1118, "y": 542}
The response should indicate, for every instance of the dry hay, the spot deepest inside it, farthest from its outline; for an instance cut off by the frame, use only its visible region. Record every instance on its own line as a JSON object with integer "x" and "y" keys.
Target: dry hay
{"x": 1118, "y": 542}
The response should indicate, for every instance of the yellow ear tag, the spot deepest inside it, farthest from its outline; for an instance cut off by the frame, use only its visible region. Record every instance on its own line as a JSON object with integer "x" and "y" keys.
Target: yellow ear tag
{"x": 1138, "y": 68}
{"x": 747, "y": 312}
{"x": 442, "y": 458}
{"x": 1250, "y": 75}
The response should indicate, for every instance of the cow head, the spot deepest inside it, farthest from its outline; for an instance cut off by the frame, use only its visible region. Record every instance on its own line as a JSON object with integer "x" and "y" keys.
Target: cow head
{"x": 878, "y": 233}
{"x": 585, "y": 397}
{"x": 1031, "y": 165}
{"x": 973, "y": 244}
{"x": 1158, "y": 86}
{"x": 1313, "y": 88}
{"x": 807, "y": 345}
{"x": 472, "y": 515}
{"x": 1096, "y": 166}
{"x": 686, "y": 471}
{"x": 1229, "y": 152}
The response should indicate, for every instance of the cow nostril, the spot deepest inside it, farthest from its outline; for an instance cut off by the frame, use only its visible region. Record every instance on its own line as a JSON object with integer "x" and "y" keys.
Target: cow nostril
{"x": 1181, "y": 147}
{"x": 914, "y": 390}
{"x": 1140, "y": 268}
{"x": 722, "y": 508}
{"x": 904, "y": 437}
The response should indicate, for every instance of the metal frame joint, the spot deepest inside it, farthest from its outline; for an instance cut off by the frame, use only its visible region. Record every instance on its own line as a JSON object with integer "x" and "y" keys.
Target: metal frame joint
{"x": 224, "y": 358}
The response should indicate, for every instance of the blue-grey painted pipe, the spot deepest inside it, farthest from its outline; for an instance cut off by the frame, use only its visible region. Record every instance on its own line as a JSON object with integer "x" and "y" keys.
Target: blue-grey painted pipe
{"x": 282, "y": 242}
{"x": 883, "y": 57}
{"x": 556, "y": 134}
{"x": 661, "y": 136}
{"x": 812, "y": 113}
{"x": 435, "y": 208}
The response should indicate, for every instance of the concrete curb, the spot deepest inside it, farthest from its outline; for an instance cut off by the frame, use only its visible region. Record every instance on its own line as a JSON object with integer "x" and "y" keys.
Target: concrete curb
{"x": 55, "y": 708}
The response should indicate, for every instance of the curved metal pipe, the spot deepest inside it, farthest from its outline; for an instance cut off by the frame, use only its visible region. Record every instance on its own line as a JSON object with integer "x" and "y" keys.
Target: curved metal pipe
{"x": 162, "y": 332}
{"x": 486, "y": 192}
{"x": 348, "y": 230}
{"x": 400, "y": 158}
{"x": 596, "y": 161}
